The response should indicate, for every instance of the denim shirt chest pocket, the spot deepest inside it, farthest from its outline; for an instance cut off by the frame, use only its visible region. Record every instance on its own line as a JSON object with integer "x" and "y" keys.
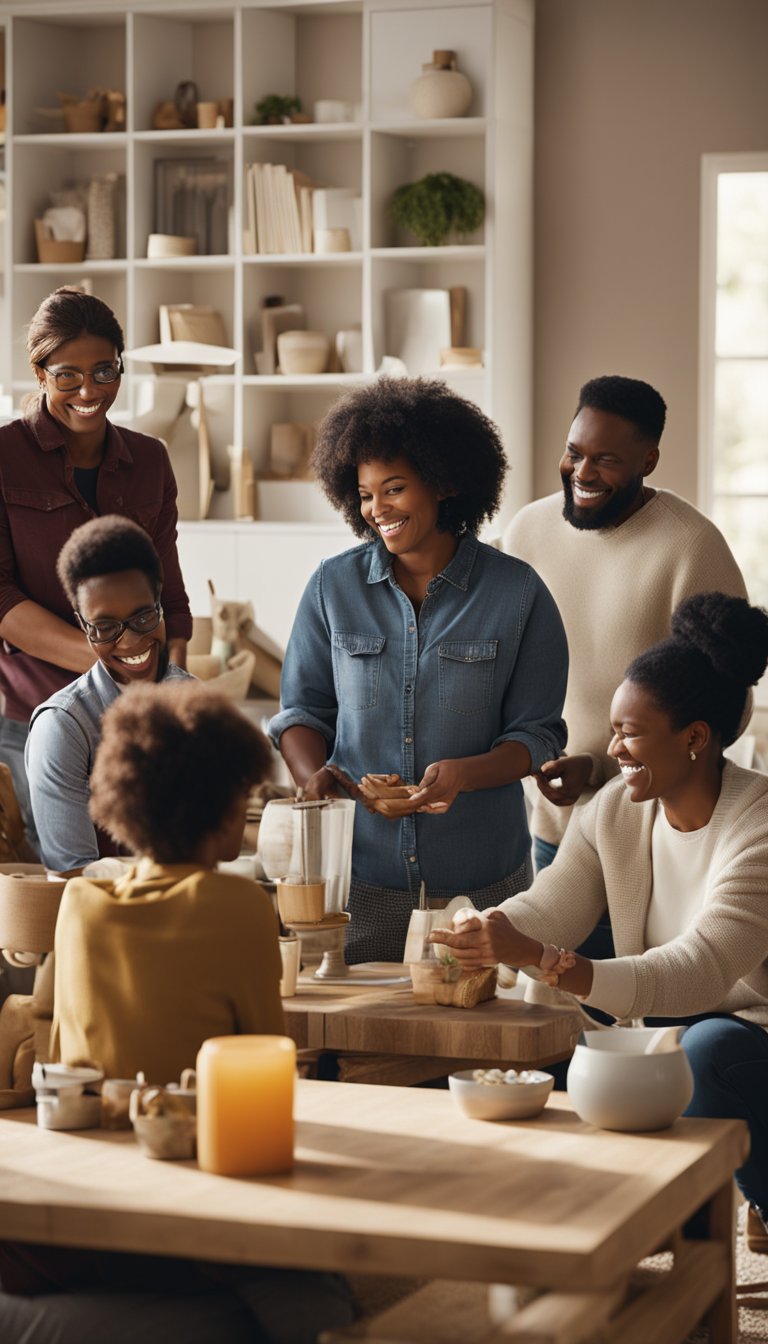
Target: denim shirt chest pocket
{"x": 356, "y": 668}
{"x": 465, "y": 674}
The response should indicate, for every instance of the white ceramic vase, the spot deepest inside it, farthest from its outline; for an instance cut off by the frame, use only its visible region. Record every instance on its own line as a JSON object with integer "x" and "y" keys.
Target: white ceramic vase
{"x": 440, "y": 90}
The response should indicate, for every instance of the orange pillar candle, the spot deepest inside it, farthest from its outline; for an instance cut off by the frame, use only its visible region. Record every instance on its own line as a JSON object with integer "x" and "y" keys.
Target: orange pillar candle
{"x": 245, "y": 1105}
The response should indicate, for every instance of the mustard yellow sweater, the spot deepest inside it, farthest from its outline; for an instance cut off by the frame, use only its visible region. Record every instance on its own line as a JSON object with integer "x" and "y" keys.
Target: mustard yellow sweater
{"x": 151, "y": 965}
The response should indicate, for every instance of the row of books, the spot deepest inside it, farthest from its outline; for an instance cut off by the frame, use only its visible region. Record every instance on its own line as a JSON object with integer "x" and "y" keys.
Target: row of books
{"x": 278, "y": 209}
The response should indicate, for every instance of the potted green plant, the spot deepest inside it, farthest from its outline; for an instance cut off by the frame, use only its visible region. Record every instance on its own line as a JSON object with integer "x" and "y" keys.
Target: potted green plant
{"x": 438, "y": 206}
{"x": 275, "y": 109}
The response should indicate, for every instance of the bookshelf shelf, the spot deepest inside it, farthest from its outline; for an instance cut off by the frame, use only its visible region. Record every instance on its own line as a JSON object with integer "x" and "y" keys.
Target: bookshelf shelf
{"x": 362, "y": 53}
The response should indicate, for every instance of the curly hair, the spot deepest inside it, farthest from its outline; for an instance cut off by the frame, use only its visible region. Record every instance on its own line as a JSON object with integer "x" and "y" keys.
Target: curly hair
{"x": 717, "y": 650}
{"x": 172, "y": 761}
{"x": 107, "y": 545}
{"x": 630, "y": 398}
{"x": 66, "y": 314}
{"x": 448, "y": 441}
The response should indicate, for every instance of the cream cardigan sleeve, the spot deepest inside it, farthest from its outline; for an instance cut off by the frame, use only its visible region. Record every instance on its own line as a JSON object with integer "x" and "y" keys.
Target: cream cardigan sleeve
{"x": 719, "y": 963}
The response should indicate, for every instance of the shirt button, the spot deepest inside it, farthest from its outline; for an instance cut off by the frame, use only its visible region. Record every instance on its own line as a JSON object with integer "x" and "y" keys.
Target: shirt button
{"x": 411, "y": 858}
{"x": 408, "y": 690}
{"x": 409, "y": 740}
{"x": 411, "y": 629}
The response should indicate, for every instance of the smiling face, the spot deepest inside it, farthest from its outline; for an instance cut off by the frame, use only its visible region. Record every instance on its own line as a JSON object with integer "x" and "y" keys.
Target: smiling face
{"x": 398, "y": 505}
{"x": 654, "y": 758}
{"x": 82, "y": 412}
{"x": 602, "y": 469}
{"x": 120, "y": 597}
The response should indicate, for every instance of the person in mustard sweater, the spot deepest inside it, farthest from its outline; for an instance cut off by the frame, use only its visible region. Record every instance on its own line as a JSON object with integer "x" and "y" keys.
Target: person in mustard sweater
{"x": 150, "y": 965}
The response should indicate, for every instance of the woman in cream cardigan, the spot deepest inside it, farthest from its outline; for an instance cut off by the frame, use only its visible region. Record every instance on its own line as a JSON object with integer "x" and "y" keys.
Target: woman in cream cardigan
{"x": 676, "y": 851}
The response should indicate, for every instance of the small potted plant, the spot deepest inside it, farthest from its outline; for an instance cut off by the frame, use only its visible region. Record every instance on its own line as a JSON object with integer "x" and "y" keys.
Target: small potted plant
{"x": 438, "y": 206}
{"x": 276, "y": 109}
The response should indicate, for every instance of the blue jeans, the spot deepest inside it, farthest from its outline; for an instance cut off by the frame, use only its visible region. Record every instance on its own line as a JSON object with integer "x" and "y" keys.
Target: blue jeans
{"x": 729, "y": 1060}
{"x": 13, "y": 739}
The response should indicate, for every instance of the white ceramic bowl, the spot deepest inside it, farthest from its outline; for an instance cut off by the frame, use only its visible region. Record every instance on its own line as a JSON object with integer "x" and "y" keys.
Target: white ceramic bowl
{"x": 302, "y": 352}
{"x": 170, "y": 245}
{"x": 501, "y": 1101}
{"x": 614, "y": 1085}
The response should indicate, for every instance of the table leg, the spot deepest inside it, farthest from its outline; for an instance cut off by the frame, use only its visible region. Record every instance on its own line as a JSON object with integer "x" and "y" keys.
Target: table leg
{"x": 722, "y": 1315}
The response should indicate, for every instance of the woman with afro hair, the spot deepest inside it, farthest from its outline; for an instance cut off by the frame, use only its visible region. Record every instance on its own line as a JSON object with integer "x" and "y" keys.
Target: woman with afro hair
{"x": 422, "y": 655}
{"x": 676, "y": 851}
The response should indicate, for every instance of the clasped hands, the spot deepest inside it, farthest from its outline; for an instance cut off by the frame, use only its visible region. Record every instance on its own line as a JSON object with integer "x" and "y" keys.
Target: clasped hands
{"x": 484, "y": 938}
{"x": 439, "y": 787}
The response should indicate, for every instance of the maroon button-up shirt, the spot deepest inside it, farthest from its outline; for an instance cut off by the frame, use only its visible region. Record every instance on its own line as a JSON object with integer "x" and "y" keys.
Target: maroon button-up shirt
{"x": 40, "y": 506}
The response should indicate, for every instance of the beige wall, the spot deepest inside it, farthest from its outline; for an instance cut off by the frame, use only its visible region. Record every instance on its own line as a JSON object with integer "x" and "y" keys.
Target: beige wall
{"x": 629, "y": 95}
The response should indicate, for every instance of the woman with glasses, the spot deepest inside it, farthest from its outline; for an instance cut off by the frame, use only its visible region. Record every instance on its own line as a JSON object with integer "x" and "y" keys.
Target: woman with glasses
{"x": 61, "y": 463}
{"x": 112, "y": 576}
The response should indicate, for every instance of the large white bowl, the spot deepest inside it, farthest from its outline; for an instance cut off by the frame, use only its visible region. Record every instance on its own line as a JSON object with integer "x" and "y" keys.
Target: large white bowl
{"x": 501, "y": 1101}
{"x": 614, "y": 1085}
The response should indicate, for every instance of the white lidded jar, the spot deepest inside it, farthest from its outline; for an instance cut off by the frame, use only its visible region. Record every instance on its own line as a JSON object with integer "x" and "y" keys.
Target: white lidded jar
{"x": 440, "y": 90}
{"x": 614, "y": 1084}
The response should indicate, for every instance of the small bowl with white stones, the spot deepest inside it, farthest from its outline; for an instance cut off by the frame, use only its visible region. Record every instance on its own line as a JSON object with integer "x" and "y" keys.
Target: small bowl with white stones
{"x": 501, "y": 1094}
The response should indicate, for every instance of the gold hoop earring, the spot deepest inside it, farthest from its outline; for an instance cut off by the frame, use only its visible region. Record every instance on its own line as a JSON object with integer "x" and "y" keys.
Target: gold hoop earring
{"x": 692, "y": 755}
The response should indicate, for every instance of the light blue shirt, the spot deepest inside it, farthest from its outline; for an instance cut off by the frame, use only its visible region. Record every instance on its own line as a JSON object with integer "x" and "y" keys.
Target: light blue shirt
{"x": 485, "y": 662}
{"x": 64, "y": 733}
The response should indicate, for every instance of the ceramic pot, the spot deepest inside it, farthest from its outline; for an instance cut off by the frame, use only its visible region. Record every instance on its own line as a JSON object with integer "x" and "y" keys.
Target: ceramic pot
{"x": 440, "y": 90}
{"x": 302, "y": 352}
{"x": 614, "y": 1085}
{"x": 301, "y": 902}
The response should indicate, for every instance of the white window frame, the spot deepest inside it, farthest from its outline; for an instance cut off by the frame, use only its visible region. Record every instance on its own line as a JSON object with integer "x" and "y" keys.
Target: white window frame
{"x": 712, "y": 166}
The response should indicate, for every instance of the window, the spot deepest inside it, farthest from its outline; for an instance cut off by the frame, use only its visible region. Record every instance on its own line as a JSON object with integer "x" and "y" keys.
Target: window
{"x": 734, "y": 358}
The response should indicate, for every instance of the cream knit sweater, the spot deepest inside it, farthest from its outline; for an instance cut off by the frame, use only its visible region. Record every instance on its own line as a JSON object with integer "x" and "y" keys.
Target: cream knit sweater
{"x": 616, "y": 590}
{"x": 719, "y": 963}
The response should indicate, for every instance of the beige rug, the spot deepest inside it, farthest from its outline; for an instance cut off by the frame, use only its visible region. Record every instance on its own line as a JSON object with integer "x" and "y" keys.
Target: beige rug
{"x": 462, "y": 1313}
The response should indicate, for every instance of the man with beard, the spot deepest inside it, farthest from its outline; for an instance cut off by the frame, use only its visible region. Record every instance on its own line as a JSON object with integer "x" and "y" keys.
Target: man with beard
{"x": 618, "y": 557}
{"x": 113, "y": 577}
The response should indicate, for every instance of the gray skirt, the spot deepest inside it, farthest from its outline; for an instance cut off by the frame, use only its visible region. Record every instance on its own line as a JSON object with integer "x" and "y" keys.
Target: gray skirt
{"x": 381, "y": 915}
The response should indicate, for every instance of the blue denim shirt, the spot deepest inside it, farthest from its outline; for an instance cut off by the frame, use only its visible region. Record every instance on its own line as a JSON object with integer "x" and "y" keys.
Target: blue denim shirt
{"x": 485, "y": 662}
{"x": 64, "y": 733}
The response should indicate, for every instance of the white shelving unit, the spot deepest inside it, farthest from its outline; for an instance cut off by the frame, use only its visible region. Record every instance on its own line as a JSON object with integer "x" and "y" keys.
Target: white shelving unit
{"x": 364, "y": 52}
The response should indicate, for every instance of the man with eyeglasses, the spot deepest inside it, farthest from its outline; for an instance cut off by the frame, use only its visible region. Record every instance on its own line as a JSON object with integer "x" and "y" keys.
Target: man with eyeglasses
{"x": 112, "y": 576}
{"x": 61, "y": 463}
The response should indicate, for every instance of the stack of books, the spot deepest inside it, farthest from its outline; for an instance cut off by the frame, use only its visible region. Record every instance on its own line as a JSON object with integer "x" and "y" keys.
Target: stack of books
{"x": 278, "y": 209}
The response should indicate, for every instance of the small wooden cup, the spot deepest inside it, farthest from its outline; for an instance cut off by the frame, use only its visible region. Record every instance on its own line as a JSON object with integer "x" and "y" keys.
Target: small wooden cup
{"x": 301, "y": 902}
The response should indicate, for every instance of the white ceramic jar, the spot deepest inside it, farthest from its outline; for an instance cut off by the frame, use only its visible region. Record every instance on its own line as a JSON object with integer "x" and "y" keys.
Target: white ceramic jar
{"x": 614, "y": 1085}
{"x": 440, "y": 90}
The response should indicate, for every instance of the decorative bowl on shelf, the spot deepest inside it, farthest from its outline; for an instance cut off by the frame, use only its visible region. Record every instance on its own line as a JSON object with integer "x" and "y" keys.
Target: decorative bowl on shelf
{"x": 170, "y": 245}
{"x": 501, "y": 1097}
{"x": 301, "y": 352}
{"x": 55, "y": 251}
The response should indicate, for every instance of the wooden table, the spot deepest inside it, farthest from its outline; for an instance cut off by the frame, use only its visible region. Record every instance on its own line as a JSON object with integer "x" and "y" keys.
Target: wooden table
{"x": 405, "y": 1041}
{"x": 396, "y": 1181}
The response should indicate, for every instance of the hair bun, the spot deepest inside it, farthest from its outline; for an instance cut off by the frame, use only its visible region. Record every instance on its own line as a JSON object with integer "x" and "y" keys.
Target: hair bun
{"x": 731, "y": 634}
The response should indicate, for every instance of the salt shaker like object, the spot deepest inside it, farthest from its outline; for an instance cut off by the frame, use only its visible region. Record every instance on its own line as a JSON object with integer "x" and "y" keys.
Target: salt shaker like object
{"x": 440, "y": 90}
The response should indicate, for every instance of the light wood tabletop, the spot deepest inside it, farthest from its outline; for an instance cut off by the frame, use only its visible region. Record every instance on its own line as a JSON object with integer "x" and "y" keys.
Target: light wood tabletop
{"x": 381, "y": 1019}
{"x": 395, "y": 1181}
